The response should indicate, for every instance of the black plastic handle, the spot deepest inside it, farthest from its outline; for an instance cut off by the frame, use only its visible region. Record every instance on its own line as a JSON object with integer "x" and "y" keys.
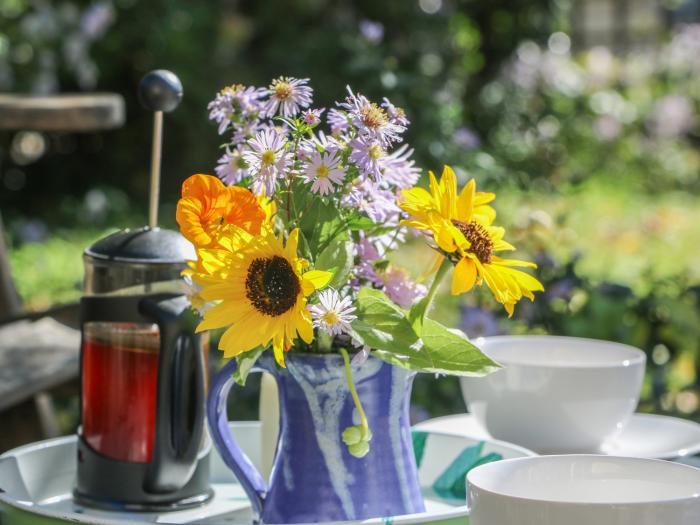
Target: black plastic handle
{"x": 180, "y": 409}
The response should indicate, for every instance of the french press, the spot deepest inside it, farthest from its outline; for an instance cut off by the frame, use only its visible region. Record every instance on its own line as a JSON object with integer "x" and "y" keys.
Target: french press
{"x": 142, "y": 443}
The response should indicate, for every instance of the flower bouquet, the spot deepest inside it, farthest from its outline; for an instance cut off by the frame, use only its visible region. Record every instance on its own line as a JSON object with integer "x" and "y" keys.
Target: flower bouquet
{"x": 293, "y": 243}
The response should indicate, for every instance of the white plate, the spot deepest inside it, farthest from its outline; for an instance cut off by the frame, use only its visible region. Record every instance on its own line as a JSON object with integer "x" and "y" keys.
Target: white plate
{"x": 645, "y": 436}
{"x": 38, "y": 480}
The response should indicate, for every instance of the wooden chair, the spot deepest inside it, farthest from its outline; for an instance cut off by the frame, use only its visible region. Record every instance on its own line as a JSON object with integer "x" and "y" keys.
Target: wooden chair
{"x": 39, "y": 352}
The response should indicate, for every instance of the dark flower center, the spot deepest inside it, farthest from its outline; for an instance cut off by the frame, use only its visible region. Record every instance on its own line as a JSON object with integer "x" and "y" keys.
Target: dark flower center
{"x": 481, "y": 243}
{"x": 272, "y": 286}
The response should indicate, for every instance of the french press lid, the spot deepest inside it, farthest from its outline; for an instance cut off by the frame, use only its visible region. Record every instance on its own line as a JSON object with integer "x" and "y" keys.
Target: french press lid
{"x": 137, "y": 261}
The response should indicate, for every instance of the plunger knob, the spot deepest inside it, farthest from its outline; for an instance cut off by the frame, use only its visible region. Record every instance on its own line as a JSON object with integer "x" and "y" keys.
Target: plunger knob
{"x": 160, "y": 90}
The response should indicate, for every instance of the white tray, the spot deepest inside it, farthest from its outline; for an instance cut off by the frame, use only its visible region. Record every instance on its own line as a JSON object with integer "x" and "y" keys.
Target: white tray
{"x": 37, "y": 480}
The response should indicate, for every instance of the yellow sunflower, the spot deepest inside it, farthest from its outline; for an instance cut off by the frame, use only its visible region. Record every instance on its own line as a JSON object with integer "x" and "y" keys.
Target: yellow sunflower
{"x": 462, "y": 228}
{"x": 261, "y": 287}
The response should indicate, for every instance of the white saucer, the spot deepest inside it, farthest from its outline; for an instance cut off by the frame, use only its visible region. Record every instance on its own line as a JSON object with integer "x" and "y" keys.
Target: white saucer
{"x": 645, "y": 436}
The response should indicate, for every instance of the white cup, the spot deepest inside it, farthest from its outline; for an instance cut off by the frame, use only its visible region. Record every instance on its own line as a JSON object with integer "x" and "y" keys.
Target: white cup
{"x": 556, "y": 394}
{"x": 583, "y": 490}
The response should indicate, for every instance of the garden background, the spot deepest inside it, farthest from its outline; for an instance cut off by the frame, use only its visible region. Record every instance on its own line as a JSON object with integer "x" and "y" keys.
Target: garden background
{"x": 581, "y": 115}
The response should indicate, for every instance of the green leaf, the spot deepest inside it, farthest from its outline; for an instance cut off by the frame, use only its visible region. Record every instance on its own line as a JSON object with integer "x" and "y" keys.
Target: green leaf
{"x": 246, "y": 361}
{"x": 337, "y": 257}
{"x": 321, "y": 223}
{"x": 385, "y": 328}
{"x": 361, "y": 222}
{"x": 381, "y": 324}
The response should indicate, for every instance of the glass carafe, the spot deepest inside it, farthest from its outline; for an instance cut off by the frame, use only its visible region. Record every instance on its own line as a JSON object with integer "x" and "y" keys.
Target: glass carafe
{"x": 143, "y": 441}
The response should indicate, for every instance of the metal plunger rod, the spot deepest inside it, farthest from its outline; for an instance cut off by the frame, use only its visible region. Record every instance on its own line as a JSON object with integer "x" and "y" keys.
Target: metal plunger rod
{"x": 156, "y": 153}
{"x": 159, "y": 91}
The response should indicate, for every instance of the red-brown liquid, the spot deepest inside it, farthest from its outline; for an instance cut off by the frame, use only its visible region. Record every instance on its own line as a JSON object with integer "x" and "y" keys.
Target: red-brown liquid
{"x": 120, "y": 376}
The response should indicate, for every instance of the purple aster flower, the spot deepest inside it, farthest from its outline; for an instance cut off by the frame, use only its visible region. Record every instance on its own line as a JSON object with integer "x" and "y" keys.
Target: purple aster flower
{"x": 96, "y": 19}
{"x": 287, "y": 96}
{"x": 478, "y": 323}
{"x": 365, "y": 271}
{"x": 372, "y": 31}
{"x": 396, "y": 114}
{"x": 235, "y": 103}
{"x": 366, "y": 196}
{"x": 371, "y": 120}
{"x": 324, "y": 171}
{"x": 399, "y": 169}
{"x": 317, "y": 143}
{"x": 231, "y": 168}
{"x": 401, "y": 289}
{"x": 337, "y": 120}
{"x": 312, "y": 117}
{"x": 465, "y": 138}
{"x": 245, "y": 130}
{"x": 320, "y": 142}
{"x": 267, "y": 160}
{"x": 391, "y": 240}
{"x": 366, "y": 250}
{"x": 367, "y": 154}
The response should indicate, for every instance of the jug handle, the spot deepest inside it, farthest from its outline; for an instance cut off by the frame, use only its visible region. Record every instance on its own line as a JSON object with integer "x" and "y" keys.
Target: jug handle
{"x": 232, "y": 454}
{"x": 174, "y": 460}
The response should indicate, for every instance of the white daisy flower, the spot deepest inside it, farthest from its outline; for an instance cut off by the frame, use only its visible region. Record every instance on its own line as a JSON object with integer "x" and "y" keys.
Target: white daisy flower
{"x": 323, "y": 169}
{"x": 333, "y": 314}
{"x": 287, "y": 96}
{"x": 267, "y": 159}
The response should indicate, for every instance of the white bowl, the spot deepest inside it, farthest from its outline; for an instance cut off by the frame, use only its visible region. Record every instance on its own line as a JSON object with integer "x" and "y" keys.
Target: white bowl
{"x": 584, "y": 490}
{"x": 556, "y": 394}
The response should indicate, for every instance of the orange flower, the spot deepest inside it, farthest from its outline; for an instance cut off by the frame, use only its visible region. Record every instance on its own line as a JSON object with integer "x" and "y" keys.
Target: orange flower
{"x": 207, "y": 205}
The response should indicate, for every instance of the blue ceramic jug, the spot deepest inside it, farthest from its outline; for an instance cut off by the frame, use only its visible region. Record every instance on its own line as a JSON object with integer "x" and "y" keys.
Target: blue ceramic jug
{"x": 314, "y": 478}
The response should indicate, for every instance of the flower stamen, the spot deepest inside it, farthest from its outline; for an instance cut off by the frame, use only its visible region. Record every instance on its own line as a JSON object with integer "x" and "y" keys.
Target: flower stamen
{"x": 373, "y": 116}
{"x": 322, "y": 171}
{"x": 268, "y": 157}
{"x": 481, "y": 245}
{"x": 283, "y": 90}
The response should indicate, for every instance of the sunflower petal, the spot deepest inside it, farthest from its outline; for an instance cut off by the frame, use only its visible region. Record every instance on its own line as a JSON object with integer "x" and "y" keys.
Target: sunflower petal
{"x": 305, "y": 327}
{"x": 315, "y": 280}
{"x": 464, "y": 276}
{"x": 278, "y": 349}
{"x": 433, "y": 268}
{"x": 448, "y": 185}
{"x": 465, "y": 202}
{"x": 292, "y": 242}
{"x": 512, "y": 262}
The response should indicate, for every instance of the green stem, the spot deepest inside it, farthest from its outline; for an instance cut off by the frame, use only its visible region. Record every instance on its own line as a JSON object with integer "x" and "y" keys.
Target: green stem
{"x": 439, "y": 276}
{"x": 421, "y": 309}
{"x": 353, "y": 392}
{"x": 332, "y": 237}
